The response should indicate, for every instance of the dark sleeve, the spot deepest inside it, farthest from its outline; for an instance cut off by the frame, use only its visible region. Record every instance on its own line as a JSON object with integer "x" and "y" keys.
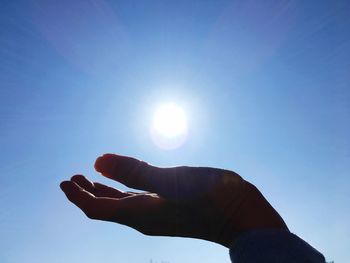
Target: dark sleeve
{"x": 273, "y": 246}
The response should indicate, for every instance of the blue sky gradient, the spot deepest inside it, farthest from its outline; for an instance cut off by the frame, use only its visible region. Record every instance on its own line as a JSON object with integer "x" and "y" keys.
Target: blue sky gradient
{"x": 266, "y": 86}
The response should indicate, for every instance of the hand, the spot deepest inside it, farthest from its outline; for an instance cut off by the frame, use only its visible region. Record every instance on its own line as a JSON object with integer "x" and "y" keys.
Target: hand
{"x": 198, "y": 202}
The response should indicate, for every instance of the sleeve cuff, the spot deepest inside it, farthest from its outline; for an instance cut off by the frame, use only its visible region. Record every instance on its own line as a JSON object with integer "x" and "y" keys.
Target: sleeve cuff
{"x": 272, "y": 246}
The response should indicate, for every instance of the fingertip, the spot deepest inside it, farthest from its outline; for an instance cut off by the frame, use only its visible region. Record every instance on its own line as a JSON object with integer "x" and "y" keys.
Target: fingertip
{"x": 77, "y": 177}
{"x": 127, "y": 170}
{"x": 105, "y": 164}
{"x": 97, "y": 164}
{"x": 65, "y": 185}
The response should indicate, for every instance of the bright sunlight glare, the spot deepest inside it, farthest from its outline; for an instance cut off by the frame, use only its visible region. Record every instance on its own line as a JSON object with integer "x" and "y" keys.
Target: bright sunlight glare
{"x": 169, "y": 126}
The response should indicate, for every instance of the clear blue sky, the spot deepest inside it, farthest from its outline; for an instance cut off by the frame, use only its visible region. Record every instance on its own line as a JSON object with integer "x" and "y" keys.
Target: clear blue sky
{"x": 266, "y": 86}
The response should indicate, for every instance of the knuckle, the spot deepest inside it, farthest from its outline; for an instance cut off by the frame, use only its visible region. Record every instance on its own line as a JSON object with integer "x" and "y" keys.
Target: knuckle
{"x": 91, "y": 214}
{"x": 231, "y": 178}
{"x": 146, "y": 231}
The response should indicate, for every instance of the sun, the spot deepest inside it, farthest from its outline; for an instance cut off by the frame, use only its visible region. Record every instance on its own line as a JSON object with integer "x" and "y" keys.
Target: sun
{"x": 169, "y": 126}
{"x": 170, "y": 120}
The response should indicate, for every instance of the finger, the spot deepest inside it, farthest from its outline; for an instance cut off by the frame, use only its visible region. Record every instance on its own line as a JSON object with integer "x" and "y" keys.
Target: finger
{"x": 94, "y": 208}
{"x": 102, "y": 190}
{"x": 137, "y": 174}
{"x": 78, "y": 196}
{"x": 97, "y": 189}
{"x": 177, "y": 183}
{"x": 83, "y": 182}
{"x": 147, "y": 213}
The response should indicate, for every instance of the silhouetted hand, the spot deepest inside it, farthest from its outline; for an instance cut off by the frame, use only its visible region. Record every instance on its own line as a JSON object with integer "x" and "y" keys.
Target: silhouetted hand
{"x": 199, "y": 202}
